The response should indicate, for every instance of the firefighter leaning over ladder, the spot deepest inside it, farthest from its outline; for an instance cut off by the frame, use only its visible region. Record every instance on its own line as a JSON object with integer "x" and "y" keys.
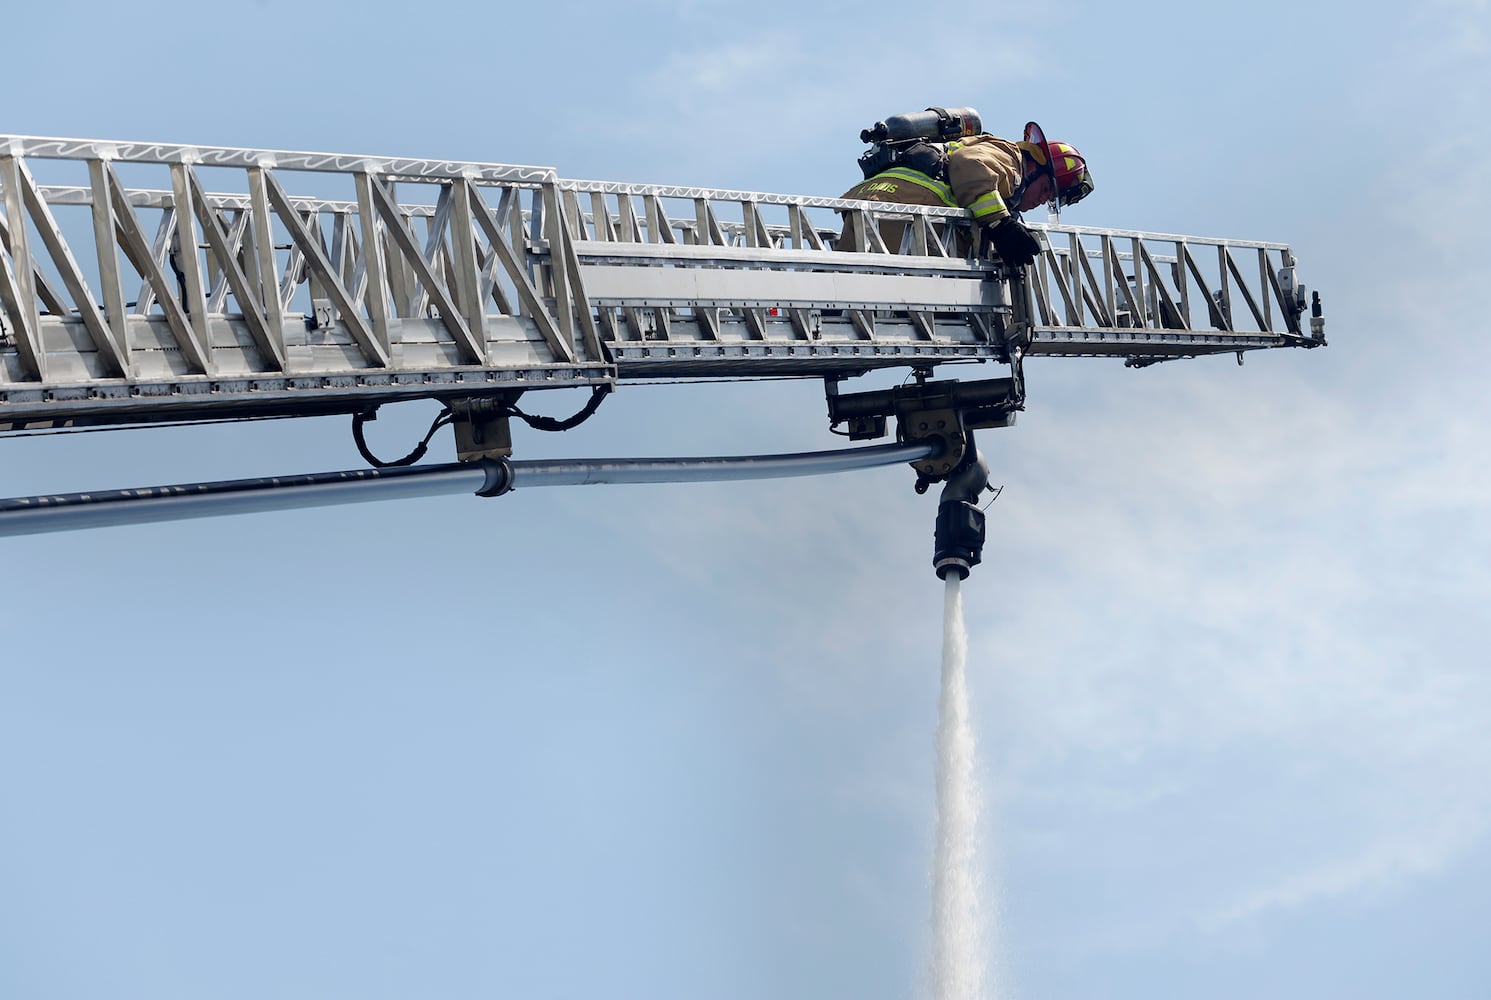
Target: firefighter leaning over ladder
{"x": 940, "y": 157}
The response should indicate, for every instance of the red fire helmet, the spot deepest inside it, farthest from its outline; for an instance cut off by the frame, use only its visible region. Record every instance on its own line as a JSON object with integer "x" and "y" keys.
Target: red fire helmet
{"x": 1068, "y": 167}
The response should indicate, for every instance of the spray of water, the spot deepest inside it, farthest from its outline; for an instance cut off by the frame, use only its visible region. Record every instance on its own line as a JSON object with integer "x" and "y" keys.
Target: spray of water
{"x": 957, "y": 929}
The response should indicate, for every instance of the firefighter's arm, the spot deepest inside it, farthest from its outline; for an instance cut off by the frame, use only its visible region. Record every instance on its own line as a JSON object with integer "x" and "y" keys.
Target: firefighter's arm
{"x": 983, "y": 171}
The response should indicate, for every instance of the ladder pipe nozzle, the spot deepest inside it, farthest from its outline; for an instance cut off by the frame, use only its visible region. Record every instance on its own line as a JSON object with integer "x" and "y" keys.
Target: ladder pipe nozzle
{"x": 958, "y": 539}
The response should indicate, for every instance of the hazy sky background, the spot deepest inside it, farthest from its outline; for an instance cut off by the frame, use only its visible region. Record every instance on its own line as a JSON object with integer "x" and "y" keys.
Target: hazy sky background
{"x": 1228, "y": 647}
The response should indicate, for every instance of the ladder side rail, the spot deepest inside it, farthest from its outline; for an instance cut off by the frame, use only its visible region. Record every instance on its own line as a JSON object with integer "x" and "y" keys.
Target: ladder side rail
{"x": 1133, "y": 343}
{"x": 391, "y": 168}
{"x": 1095, "y": 231}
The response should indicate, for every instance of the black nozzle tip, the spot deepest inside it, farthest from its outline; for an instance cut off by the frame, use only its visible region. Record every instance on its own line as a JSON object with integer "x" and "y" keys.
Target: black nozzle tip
{"x": 951, "y": 566}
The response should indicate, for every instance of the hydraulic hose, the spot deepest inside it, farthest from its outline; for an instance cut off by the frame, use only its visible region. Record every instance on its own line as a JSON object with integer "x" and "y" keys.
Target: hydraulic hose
{"x": 73, "y": 511}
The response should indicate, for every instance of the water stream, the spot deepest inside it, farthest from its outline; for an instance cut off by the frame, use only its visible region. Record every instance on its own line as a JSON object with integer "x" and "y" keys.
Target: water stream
{"x": 958, "y": 967}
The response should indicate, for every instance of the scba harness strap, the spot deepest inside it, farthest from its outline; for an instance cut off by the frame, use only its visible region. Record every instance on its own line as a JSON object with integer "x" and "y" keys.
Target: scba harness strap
{"x": 925, "y": 157}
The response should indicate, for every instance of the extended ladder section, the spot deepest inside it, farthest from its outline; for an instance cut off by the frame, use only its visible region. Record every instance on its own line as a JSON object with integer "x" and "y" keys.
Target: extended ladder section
{"x": 144, "y": 282}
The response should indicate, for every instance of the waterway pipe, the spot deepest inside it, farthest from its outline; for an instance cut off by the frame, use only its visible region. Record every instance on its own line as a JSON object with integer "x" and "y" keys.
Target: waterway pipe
{"x": 488, "y": 477}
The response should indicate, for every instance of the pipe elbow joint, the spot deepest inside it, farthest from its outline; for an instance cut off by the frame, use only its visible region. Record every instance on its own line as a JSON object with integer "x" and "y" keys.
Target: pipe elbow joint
{"x": 968, "y": 482}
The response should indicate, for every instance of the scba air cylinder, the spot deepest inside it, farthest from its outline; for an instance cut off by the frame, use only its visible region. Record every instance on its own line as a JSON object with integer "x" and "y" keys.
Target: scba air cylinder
{"x": 939, "y": 124}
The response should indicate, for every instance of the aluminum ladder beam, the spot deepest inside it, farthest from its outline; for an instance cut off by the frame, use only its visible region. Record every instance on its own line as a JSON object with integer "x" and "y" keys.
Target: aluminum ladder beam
{"x": 148, "y": 282}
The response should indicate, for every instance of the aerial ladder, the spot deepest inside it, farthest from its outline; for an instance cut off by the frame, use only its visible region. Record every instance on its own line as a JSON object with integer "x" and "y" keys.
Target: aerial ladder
{"x": 152, "y": 284}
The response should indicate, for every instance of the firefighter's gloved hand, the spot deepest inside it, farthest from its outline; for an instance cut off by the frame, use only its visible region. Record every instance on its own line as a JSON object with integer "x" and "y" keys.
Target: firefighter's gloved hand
{"x": 1015, "y": 244}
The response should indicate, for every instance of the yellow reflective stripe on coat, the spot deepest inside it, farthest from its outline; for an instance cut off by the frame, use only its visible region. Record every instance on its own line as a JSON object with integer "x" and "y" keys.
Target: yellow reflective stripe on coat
{"x": 989, "y": 204}
{"x": 920, "y": 179}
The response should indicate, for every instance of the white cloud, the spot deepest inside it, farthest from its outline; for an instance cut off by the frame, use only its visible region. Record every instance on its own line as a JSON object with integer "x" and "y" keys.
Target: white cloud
{"x": 1425, "y": 847}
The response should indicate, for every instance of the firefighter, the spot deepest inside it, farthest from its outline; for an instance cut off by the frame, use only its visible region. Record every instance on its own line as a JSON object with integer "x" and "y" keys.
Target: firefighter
{"x": 994, "y": 179}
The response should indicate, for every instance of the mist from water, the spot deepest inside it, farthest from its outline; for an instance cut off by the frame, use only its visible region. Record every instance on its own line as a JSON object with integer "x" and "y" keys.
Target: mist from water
{"x": 958, "y": 968}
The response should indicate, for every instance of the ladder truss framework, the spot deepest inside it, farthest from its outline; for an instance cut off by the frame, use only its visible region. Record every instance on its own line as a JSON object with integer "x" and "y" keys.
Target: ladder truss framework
{"x": 147, "y": 282}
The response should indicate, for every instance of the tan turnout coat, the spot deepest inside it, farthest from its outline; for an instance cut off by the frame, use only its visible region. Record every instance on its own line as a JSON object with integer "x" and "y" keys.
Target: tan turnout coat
{"x": 984, "y": 171}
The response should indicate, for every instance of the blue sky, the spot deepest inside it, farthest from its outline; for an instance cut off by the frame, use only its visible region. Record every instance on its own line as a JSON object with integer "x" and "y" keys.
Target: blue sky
{"x": 1227, "y": 650}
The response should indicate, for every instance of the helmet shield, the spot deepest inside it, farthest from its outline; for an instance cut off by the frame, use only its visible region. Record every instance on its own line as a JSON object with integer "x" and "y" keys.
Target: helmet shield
{"x": 1037, "y": 138}
{"x": 1040, "y": 152}
{"x": 1071, "y": 181}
